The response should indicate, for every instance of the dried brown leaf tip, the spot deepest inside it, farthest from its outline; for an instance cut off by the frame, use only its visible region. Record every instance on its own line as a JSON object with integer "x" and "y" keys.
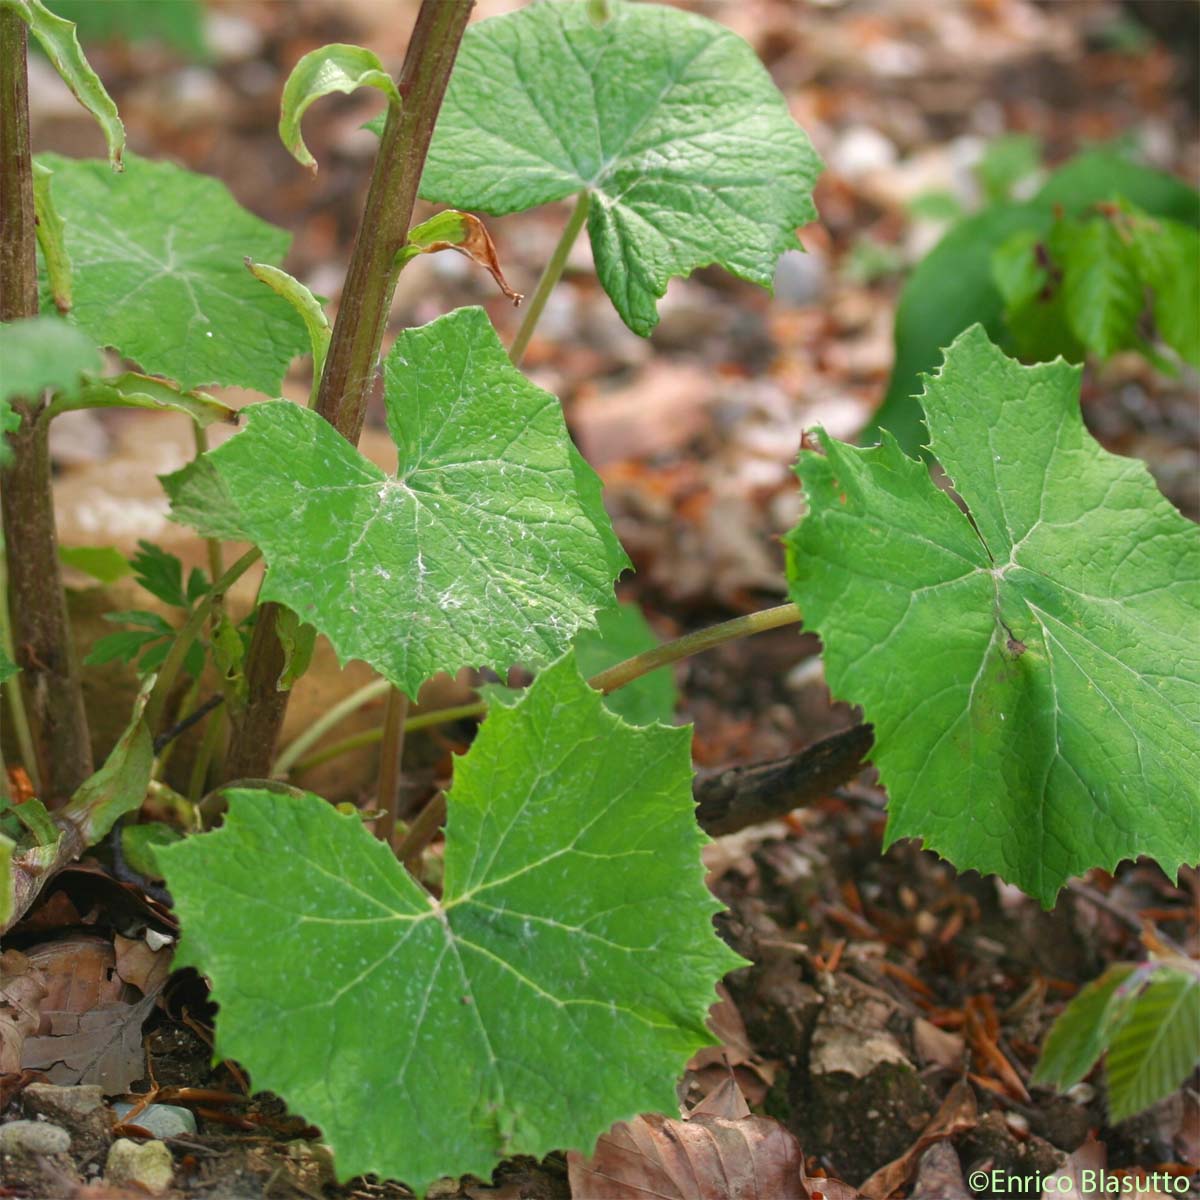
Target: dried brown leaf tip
{"x": 454, "y": 230}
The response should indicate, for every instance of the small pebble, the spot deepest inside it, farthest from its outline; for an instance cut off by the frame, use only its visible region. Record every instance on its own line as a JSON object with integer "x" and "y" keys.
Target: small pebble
{"x": 66, "y": 1102}
{"x": 33, "y": 1137}
{"x": 162, "y": 1120}
{"x": 147, "y": 1165}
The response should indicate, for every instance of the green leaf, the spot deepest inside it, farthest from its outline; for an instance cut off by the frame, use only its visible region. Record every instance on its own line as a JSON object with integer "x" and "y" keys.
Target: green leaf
{"x": 620, "y": 633}
{"x": 105, "y": 563}
{"x": 1100, "y": 174}
{"x": 1167, "y": 252}
{"x": 8, "y": 668}
{"x": 573, "y": 942}
{"x": 668, "y": 120}
{"x": 36, "y": 819}
{"x": 118, "y": 787}
{"x": 1157, "y": 1046}
{"x": 38, "y": 353}
{"x": 298, "y": 641}
{"x": 488, "y": 547}
{"x": 51, "y": 238}
{"x": 454, "y": 230}
{"x": 1007, "y": 161}
{"x": 307, "y": 306}
{"x": 140, "y": 842}
{"x": 178, "y": 23}
{"x": 1084, "y": 1028}
{"x": 160, "y": 573}
{"x": 7, "y": 847}
{"x": 158, "y": 257}
{"x": 57, "y": 39}
{"x": 1102, "y": 292}
{"x": 953, "y": 287}
{"x": 119, "y": 647}
{"x": 43, "y": 354}
{"x": 132, "y": 390}
{"x": 950, "y": 288}
{"x": 333, "y": 68}
{"x": 995, "y": 654}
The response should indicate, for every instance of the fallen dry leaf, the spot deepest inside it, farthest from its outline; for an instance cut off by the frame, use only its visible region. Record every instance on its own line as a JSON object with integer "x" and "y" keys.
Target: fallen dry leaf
{"x": 103, "y": 1046}
{"x": 711, "y": 1065}
{"x": 936, "y": 1046}
{"x": 957, "y": 1114}
{"x": 939, "y": 1175}
{"x": 22, "y": 989}
{"x": 147, "y": 969}
{"x": 705, "y": 1157}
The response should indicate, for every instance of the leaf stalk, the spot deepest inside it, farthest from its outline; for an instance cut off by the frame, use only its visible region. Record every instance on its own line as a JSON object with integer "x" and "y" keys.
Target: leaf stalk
{"x": 606, "y": 681}
{"x": 550, "y": 276}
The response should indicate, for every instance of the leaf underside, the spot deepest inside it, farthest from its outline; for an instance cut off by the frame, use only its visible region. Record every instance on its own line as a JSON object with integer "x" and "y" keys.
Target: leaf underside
{"x": 573, "y": 943}
{"x": 669, "y": 121}
{"x": 489, "y": 546}
{"x": 1032, "y": 673}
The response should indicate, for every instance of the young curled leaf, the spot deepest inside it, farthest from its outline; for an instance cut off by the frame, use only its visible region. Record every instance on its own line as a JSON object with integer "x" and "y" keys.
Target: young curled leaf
{"x": 57, "y": 38}
{"x": 51, "y": 237}
{"x": 305, "y": 303}
{"x": 454, "y": 230}
{"x": 334, "y": 68}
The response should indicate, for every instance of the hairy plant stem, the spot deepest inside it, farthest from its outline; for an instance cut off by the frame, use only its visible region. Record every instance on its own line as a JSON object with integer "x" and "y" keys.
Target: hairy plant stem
{"x": 188, "y": 632}
{"x": 606, "y": 681}
{"x": 50, "y": 677}
{"x": 550, "y": 276}
{"x": 391, "y": 752}
{"x": 359, "y": 328}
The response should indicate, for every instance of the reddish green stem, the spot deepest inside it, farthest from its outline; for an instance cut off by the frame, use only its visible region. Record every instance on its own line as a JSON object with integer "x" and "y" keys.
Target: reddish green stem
{"x": 359, "y": 329}
{"x": 41, "y": 632}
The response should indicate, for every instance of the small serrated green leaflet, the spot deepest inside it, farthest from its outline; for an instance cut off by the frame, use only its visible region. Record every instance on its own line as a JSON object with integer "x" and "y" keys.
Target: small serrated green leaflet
{"x": 620, "y": 633}
{"x": 1157, "y": 1046}
{"x": 57, "y": 38}
{"x": 334, "y": 68}
{"x": 1084, "y": 1028}
{"x": 8, "y": 668}
{"x": 573, "y": 941}
{"x": 668, "y": 120}
{"x": 488, "y": 547}
{"x": 1102, "y": 293}
{"x": 160, "y": 573}
{"x": 158, "y": 259}
{"x": 51, "y": 238}
{"x": 309, "y": 308}
{"x": 119, "y": 647}
{"x": 131, "y": 390}
{"x": 994, "y": 655}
